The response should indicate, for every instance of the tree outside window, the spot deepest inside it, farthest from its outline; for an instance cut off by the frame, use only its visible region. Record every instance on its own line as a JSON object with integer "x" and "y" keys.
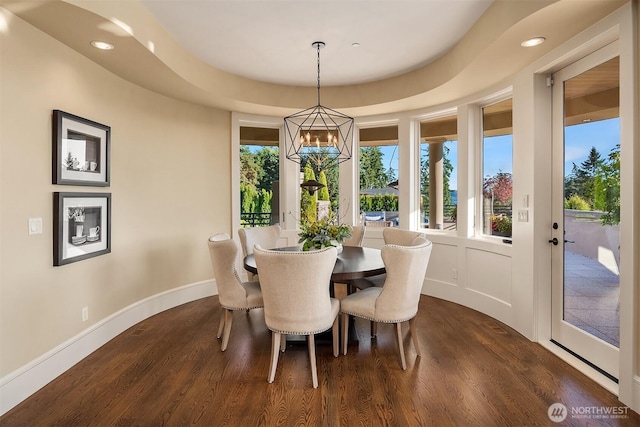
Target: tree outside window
{"x": 259, "y": 173}
{"x": 378, "y": 168}
{"x": 594, "y": 185}
{"x": 497, "y": 169}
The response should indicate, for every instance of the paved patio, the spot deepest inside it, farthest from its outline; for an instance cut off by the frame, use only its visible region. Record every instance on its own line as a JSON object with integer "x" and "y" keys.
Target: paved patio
{"x": 592, "y": 297}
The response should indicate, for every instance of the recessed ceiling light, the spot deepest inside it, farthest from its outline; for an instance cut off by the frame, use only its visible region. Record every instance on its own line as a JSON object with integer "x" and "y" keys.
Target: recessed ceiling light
{"x": 534, "y": 41}
{"x": 355, "y": 44}
{"x": 101, "y": 45}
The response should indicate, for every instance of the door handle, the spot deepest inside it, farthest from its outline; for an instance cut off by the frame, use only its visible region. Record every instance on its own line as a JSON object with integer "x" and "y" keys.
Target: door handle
{"x": 554, "y": 241}
{"x": 569, "y": 241}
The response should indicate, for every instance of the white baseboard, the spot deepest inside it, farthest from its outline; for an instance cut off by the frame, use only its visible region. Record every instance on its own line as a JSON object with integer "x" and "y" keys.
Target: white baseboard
{"x": 26, "y": 380}
{"x": 636, "y": 394}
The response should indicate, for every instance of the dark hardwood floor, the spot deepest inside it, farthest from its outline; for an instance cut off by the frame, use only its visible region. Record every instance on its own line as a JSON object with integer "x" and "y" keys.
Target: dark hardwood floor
{"x": 169, "y": 370}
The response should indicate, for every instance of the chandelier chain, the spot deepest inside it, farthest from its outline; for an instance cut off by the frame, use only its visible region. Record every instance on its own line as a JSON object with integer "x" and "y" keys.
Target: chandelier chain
{"x": 318, "y": 47}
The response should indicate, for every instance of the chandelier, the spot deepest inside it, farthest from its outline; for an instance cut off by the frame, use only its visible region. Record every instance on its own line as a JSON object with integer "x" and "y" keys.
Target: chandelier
{"x": 318, "y": 134}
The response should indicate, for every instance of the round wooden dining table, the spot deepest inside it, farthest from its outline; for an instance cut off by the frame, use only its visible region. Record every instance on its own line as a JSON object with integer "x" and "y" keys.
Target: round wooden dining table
{"x": 354, "y": 262}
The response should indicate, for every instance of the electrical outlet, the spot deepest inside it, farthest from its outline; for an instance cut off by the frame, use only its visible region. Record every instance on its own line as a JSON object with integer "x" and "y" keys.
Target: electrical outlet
{"x": 85, "y": 314}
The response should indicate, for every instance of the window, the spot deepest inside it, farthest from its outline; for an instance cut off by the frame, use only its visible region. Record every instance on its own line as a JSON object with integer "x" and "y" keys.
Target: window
{"x": 259, "y": 176}
{"x": 438, "y": 173}
{"x": 497, "y": 168}
{"x": 379, "y": 154}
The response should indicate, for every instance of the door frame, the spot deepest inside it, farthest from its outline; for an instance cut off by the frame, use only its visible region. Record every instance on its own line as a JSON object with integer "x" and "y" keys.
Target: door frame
{"x": 620, "y": 25}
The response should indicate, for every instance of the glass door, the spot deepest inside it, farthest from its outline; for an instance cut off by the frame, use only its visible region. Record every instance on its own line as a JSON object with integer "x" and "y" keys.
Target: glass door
{"x": 586, "y": 210}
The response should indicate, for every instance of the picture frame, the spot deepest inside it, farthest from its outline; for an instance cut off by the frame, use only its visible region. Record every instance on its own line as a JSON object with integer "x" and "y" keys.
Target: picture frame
{"x": 80, "y": 151}
{"x": 81, "y": 226}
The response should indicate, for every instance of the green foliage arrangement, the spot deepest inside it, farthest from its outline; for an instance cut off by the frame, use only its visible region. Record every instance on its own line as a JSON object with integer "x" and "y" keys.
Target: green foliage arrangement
{"x": 323, "y": 233}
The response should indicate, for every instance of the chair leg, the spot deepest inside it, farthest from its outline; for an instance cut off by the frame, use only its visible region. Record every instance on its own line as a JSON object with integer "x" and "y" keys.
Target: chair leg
{"x": 414, "y": 335}
{"x": 283, "y": 343}
{"x": 275, "y": 346}
{"x": 228, "y": 319}
{"x": 345, "y": 332}
{"x": 311, "y": 339}
{"x": 400, "y": 346}
{"x": 374, "y": 329}
{"x": 221, "y": 327}
{"x": 336, "y": 335}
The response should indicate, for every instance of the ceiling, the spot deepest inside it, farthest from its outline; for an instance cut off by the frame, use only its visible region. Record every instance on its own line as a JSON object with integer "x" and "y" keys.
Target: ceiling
{"x": 256, "y": 56}
{"x": 271, "y": 41}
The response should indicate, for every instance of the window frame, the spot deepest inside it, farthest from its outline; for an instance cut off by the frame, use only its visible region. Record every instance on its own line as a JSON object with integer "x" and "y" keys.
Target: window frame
{"x": 417, "y": 121}
{"x": 479, "y": 162}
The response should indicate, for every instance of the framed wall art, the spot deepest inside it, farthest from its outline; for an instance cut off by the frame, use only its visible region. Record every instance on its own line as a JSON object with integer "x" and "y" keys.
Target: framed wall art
{"x": 81, "y": 226}
{"x": 80, "y": 151}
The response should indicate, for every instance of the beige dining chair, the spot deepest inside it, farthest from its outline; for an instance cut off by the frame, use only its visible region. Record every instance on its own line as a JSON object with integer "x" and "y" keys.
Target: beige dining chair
{"x": 295, "y": 286}
{"x": 357, "y": 236}
{"x": 391, "y": 236}
{"x": 233, "y": 293}
{"x": 397, "y": 301}
{"x": 267, "y": 237}
{"x": 398, "y": 236}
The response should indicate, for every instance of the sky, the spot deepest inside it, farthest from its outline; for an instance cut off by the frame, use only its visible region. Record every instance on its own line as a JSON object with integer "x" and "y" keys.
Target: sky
{"x": 603, "y": 135}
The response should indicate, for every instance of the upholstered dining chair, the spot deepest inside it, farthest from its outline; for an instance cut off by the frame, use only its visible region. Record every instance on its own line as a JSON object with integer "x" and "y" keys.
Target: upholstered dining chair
{"x": 233, "y": 293}
{"x": 295, "y": 286}
{"x": 397, "y": 301}
{"x": 267, "y": 237}
{"x": 391, "y": 236}
{"x": 398, "y": 236}
{"x": 357, "y": 236}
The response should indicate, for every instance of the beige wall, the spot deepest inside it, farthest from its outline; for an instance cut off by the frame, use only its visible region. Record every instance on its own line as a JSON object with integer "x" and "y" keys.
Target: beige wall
{"x": 170, "y": 181}
{"x": 637, "y": 200}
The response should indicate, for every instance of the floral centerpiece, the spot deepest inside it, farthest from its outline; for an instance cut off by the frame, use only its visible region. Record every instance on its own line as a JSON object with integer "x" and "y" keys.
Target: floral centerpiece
{"x": 320, "y": 234}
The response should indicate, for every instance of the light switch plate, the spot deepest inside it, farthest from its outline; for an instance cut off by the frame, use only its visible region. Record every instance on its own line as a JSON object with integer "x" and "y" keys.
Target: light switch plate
{"x": 35, "y": 226}
{"x": 523, "y": 215}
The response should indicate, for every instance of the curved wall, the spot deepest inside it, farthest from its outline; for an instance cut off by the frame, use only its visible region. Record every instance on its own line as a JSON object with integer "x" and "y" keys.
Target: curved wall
{"x": 170, "y": 181}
